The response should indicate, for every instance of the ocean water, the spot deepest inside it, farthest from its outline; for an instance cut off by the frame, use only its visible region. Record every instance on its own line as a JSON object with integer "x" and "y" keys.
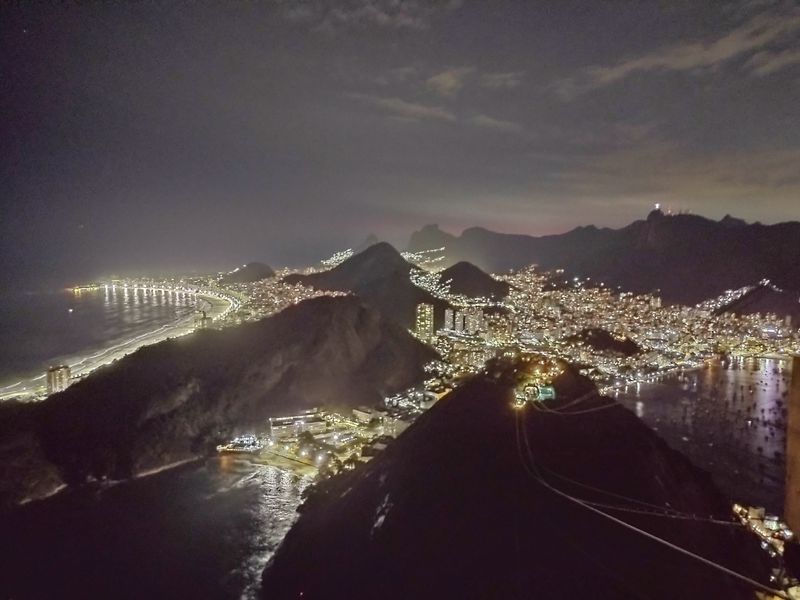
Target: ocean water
{"x": 202, "y": 530}
{"x": 728, "y": 421}
{"x": 40, "y": 329}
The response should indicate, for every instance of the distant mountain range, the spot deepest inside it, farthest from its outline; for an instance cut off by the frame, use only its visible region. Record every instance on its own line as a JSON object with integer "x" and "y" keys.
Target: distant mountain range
{"x": 455, "y": 508}
{"x": 381, "y": 277}
{"x": 254, "y": 271}
{"x": 174, "y": 400}
{"x": 688, "y": 258}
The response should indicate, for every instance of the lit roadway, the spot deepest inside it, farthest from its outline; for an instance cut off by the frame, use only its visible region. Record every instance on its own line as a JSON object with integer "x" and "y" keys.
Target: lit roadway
{"x": 220, "y": 306}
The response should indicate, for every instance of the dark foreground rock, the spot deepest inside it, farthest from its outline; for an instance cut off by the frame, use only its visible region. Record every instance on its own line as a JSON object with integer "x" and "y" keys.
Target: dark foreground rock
{"x": 455, "y": 508}
{"x": 175, "y": 400}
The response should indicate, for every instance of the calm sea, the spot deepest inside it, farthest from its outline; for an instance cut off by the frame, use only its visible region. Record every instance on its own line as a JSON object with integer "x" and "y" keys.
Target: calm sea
{"x": 40, "y": 329}
{"x": 203, "y": 530}
{"x": 728, "y": 421}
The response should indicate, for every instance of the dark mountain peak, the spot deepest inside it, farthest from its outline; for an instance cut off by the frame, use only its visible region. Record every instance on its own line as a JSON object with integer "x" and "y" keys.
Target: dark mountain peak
{"x": 729, "y": 221}
{"x": 655, "y": 215}
{"x": 380, "y": 276}
{"x": 253, "y": 271}
{"x": 375, "y": 261}
{"x": 463, "y": 267}
{"x": 467, "y": 279}
{"x": 383, "y": 527}
{"x": 474, "y": 231}
{"x": 428, "y": 238}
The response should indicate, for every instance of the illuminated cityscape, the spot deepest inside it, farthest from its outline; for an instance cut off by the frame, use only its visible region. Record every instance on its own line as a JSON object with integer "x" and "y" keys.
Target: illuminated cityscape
{"x": 399, "y": 300}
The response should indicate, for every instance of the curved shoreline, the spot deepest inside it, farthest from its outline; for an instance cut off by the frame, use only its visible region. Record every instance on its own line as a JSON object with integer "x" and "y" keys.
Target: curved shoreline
{"x": 82, "y": 365}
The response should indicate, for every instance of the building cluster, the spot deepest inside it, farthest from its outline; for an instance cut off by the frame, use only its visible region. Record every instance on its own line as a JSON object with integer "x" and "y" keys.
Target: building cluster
{"x": 547, "y": 314}
{"x": 470, "y": 320}
{"x": 270, "y": 296}
{"x": 330, "y": 440}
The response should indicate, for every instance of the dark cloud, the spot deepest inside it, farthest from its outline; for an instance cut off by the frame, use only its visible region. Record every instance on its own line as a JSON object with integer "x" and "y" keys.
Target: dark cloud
{"x": 756, "y": 35}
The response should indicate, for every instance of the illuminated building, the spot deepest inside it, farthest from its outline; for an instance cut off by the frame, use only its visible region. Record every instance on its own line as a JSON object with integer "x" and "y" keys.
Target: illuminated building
{"x": 57, "y": 379}
{"x": 424, "y": 324}
{"x": 448, "y": 319}
{"x": 473, "y": 320}
{"x": 459, "y": 322}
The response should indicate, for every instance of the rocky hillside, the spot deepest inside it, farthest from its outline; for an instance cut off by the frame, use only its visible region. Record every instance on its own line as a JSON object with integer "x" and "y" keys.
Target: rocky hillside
{"x": 766, "y": 299}
{"x": 456, "y": 507}
{"x": 174, "y": 400}
{"x": 689, "y": 258}
{"x": 380, "y": 276}
{"x": 602, "y": 341}
{"x": 468, "y": 280}
{"x": 254, "y": 271}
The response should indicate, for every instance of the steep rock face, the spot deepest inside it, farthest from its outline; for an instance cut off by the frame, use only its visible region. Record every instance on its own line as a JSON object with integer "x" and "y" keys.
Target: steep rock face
{"x": 175, "y": 400}
{"x": 454, "y": 508}
{"x": 25, "y": 472}
{"x": 467, "y": 279}
{"x": 254, "y": 271}
{"x": 689, "y": 258}
{"x": 380, "y": 277}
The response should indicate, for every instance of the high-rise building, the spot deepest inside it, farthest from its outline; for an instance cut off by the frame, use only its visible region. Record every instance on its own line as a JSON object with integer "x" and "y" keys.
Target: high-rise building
{"x": 424, "y": 324}
{"x": 57, "y": 379}
{"x": 459, "y": 322}
{"x": 473, "y": 320}
{"x": 449, "y": 320}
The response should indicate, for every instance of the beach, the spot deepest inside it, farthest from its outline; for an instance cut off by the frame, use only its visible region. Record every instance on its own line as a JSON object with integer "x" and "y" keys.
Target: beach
{"x": 34, "y": 386}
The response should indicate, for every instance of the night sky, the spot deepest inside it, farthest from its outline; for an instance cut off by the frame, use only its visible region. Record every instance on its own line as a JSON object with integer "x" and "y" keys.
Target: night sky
{"x": 201, "y": 135}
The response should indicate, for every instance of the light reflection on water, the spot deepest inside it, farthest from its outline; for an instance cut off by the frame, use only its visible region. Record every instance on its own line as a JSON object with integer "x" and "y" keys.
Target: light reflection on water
{"x": 729, "y": 421}
{"x": 270, "y": 515}
{"x": 40, "y": 329}
{"x": 202, "y": 530}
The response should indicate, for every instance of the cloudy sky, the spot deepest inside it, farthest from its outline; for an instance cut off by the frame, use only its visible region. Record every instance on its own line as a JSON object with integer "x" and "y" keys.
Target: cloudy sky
{"x": 172, "y": 135}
